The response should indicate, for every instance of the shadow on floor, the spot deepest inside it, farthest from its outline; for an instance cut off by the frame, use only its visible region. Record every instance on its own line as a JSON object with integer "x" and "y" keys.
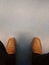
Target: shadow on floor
{"x": 23, "y": 51}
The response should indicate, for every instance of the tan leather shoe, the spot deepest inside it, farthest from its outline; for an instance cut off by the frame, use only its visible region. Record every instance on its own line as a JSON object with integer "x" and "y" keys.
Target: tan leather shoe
{"x": 11, "y": 46}
{"x": 36, "y": 46}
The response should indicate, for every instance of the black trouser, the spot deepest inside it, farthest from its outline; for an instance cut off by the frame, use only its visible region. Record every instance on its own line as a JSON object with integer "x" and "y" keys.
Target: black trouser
{"x": 3, "y": 54}
{"x": 11, "y": 59}
{"x": 38, "y": 59}
{"x": 5, "y": 58}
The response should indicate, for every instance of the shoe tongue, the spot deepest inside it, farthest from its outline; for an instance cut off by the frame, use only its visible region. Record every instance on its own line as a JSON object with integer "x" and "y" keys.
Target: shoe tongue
{"x": 36, "y": 46}
{"x": 11, "y": 46}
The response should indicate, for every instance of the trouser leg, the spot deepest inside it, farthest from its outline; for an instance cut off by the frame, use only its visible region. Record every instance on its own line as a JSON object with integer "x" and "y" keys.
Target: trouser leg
{"x": 3, "y": 54}
{"x": 11, "y": 59}
{"x": 38, "y": 59}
